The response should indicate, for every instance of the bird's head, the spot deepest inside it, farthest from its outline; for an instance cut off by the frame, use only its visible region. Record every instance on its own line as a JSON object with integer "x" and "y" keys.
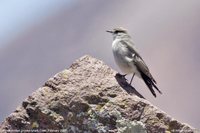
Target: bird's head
{"x": 118, "y": 32}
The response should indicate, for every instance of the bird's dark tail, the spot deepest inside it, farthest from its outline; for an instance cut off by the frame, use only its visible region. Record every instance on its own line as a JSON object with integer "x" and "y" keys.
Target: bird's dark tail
{"x": 150, "y": 83}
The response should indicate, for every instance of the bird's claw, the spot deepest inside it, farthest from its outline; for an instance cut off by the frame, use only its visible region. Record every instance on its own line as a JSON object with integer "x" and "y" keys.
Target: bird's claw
{"x": 122, "y": 76}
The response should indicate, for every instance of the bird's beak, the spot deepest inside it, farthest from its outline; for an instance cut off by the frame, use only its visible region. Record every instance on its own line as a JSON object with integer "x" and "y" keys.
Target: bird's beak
{"x": 109, "y": 31}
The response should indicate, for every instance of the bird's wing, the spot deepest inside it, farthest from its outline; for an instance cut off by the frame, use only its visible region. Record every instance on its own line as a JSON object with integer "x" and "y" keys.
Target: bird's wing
{"x": 139, "y": 62}
{"x": 146, "y": 75}
{"x": 130, "y": 45}
{"x": 142, "y": 68}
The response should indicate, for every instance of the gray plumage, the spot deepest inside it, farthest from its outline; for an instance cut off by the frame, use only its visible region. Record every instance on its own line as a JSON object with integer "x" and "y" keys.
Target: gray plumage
{"x": 129, "y": 60}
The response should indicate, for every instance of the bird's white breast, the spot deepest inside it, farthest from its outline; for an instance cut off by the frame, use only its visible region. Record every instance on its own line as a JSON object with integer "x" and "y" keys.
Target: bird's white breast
{"x": 124, "y": 62}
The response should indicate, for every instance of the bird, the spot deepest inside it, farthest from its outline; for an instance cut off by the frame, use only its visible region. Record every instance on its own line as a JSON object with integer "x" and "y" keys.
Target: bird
{"x": 129, "y": 60}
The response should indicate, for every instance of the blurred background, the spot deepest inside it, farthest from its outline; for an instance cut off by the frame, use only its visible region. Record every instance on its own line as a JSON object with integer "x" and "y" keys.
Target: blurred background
{"x": 39, "y": 38}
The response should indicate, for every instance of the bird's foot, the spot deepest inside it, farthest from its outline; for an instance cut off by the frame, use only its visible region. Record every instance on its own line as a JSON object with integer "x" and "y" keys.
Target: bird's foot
{"x": 122, "y": 76}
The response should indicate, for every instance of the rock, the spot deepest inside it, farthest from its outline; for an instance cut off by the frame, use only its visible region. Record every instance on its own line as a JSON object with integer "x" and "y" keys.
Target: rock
{"x": 89, "y": 97}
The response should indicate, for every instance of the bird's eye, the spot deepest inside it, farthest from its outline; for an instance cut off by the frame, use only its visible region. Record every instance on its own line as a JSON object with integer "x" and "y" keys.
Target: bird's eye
{"x": 118, "y": 31}
{"x": 115, "y": 32}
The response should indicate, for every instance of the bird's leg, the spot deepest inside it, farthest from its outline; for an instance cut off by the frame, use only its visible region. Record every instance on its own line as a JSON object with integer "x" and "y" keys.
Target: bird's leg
{"x": 132, "y": 78}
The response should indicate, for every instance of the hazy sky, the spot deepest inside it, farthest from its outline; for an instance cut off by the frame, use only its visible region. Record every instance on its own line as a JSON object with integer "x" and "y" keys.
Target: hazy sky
{"x": 42, "y": 38}
{"x": 18, "y": 15}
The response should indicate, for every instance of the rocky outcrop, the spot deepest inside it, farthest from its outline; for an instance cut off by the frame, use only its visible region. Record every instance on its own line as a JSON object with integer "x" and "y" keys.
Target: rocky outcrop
{"x": 90, "y": 97}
